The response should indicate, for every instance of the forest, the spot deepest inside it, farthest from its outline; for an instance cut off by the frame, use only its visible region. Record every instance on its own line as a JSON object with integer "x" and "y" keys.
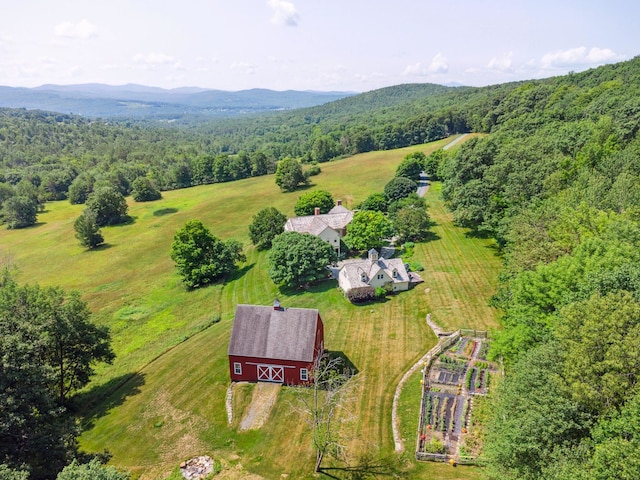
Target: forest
{"x": 556, "y": 182}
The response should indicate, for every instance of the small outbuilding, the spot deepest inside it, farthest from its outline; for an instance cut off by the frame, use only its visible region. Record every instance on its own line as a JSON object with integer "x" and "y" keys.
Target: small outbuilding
{"x": 275, "y": 344}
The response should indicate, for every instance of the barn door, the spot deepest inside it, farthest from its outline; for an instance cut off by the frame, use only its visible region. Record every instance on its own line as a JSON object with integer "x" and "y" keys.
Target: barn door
{"x": 270, "y": 373}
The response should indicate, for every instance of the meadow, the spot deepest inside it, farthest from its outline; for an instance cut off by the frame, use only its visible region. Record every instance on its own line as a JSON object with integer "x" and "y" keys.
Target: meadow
{"x": 163, "y": 399}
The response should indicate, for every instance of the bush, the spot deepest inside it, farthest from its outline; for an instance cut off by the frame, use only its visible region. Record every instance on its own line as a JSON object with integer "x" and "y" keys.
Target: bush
{"x": 313, "y": 171}
{"x": 361, "y": 295}
{"x": 381, "y": 292}
{"x": 415, "y": 267}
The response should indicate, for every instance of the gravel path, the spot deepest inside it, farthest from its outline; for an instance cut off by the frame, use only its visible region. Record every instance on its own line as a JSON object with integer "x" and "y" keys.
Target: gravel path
{"x": 449, "y": 145}
{"x": 264, "y": 398}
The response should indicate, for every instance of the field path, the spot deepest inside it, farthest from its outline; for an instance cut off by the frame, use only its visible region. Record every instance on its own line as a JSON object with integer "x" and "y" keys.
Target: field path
{"x": 459, "y": 139}
{"x": 264, "y": 398}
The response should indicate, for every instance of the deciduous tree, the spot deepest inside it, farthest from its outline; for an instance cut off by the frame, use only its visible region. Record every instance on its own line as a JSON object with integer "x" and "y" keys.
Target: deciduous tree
{"x": 108, "y": 205}
{"x": 299, "y": 259}
{"x": 411, "y": 224}
{"x": 144, "y": 190}
{"x": 307, "y": 202}
{"x": 375, "y": 201}
{"x": 289, "y": 174}
{"x": 19, "y": 212}
{"x": 411, "y": 166}
{"x": 367, "y": 230}
{"x": 200, "y": 257}
{"x": 93, "y": 470}
{"x": 266, "y": 224}
{"x": 399, "y": 187}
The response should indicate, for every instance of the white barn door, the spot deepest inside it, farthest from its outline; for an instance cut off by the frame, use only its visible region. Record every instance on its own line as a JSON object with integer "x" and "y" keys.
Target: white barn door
{"x": 271, "y": 373}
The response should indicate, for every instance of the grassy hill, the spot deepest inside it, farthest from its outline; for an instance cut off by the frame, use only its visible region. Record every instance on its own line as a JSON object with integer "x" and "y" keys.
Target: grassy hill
{"x": 163, "y": 398}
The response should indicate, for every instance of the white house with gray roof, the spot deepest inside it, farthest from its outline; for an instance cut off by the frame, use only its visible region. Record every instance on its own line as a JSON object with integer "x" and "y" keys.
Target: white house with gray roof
{"x": 374, "y": 271}
{"x": 330, "y": 227}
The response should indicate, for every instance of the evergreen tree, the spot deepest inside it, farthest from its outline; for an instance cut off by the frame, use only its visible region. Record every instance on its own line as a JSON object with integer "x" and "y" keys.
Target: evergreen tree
{"x": 87, "y": 230}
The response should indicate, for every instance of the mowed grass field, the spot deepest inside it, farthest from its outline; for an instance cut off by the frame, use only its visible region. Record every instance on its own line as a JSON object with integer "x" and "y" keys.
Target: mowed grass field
{"x": 163, "y": 399}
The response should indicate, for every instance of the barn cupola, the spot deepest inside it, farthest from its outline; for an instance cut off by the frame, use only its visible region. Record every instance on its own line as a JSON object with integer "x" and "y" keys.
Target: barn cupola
{"x": 373, "y": 255}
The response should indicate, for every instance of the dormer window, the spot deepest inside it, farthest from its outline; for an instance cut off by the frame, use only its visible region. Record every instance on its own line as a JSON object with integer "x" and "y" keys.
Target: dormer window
{"x": 363, "y": 277}
{"x": 395, "y": 273}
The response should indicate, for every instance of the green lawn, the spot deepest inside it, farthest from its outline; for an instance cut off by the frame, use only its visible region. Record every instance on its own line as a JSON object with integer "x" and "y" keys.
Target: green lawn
{"x": 172, "y": 380}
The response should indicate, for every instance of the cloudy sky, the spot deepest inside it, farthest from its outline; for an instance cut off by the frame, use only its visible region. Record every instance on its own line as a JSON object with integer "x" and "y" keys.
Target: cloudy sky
{"x": 353, "y": 45}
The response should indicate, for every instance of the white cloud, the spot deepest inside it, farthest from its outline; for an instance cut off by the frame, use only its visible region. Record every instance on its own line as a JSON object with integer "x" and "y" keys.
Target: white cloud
{"x": 246, "y": 67}
{"x": 81, "y": 30}
{"x": 415, "y": 70}
{"x": 154, "y": 59}
{"x": 439, "y": 64}
{"x": 503, "y": 63}
{"x": 284, "y": 13}
{"x": 579, "y": 57}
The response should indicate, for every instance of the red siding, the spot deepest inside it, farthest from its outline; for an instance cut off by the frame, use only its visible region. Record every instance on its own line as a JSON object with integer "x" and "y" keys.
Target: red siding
{"x": 290, "y": 369}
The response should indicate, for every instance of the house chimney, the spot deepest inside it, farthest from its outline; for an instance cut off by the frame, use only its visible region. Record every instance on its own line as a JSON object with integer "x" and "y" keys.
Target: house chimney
{"x": 276, "y": 304}
{"x": 316, "y": 211}
{"x": 339, "y": 203}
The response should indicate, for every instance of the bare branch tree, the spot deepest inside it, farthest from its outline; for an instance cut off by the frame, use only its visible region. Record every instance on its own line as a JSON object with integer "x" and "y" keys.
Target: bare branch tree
{"x": 326, "y": 407}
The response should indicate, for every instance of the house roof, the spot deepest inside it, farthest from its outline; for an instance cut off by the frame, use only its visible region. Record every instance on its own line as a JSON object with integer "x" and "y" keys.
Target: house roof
{"x": 337, "y": 218}
{"x": 352, "y": 270}
{"x": 283, "y": 334}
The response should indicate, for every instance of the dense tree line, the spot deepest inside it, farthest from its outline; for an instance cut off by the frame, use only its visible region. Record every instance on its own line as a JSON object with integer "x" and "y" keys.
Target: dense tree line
{"x": 557, "y": 185}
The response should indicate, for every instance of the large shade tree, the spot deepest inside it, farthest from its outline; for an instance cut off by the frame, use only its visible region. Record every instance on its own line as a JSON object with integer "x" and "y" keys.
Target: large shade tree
{"x": 367, "y": 230}
{"x": 289, "y": 174}
{"x": 309, "y": 201}
{"x": 108, "y": 205}
{"x": 299, "y": 259}
{"x": 20, "y": 211}
{"x": 266, "y": 224}
{"x": 202, "y": 258}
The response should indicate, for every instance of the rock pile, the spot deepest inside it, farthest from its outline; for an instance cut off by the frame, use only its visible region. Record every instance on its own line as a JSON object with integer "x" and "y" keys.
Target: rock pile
{"x": 197, "y": 468}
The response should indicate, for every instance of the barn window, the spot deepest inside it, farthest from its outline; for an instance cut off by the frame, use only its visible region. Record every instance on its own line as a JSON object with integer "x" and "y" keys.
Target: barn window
{"x": 304, "y": 374}
{"x": 237, "y": 368}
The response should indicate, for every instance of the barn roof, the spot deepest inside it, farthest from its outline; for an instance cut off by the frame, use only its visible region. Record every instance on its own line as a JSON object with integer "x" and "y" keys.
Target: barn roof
{"x": 265, "y": 332}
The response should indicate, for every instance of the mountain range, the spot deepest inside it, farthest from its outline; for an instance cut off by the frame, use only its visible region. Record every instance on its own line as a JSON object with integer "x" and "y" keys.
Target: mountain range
{"x": 139, "y": 101}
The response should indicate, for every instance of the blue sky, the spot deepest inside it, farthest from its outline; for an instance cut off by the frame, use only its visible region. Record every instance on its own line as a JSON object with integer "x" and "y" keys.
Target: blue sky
{"x": 353, "y": 45}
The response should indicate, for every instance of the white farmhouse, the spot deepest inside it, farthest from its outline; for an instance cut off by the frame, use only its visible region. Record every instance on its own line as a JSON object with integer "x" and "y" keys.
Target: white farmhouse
{"x": 330, "y": 227}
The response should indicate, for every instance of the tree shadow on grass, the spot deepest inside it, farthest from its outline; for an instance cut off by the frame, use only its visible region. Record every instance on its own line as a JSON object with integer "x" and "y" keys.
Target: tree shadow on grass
{"x": 473, "y": 233}
{"x": 431, "y": 236}
{"x": 99, "y": 248}
{"x": 32, "y": 226}
{"x": 346, "y": 365}
{"x": 241, "y": 272}
{"x": 164, "y": 211}
{"x": 318, "y": 287}
{"x": 129, "y": 220}
{"x": 366, "y": 467}
{"x": 98, "y": 401}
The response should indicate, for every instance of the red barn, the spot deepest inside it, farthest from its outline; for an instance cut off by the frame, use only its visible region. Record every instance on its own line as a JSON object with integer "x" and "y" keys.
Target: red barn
{"x": 274, "y": 344}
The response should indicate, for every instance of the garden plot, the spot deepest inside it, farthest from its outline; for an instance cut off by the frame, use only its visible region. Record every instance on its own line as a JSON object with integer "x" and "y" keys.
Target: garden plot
{"x": 449, "y": 386}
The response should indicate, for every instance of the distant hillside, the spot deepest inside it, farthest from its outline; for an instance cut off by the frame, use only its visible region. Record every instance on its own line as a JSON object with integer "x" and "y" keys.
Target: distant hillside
{"x": 137, "y": 101}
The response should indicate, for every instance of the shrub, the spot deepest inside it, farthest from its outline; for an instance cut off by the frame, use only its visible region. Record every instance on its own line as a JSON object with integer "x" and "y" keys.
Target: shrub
{"x": 313, "y": 171}
{"x": 381, "y": 292}
{"x": 360, "y": 295}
